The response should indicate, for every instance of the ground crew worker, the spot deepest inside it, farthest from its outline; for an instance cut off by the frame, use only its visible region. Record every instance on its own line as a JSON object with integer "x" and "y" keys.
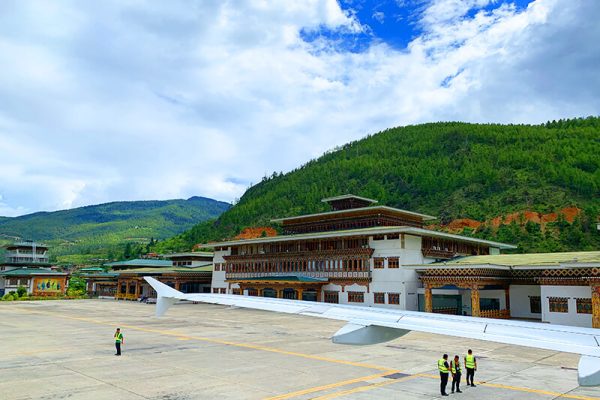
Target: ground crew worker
{"x": 444, "y": 368}
{"x": 118, "y": 340}
{"x": 471, "y": 366}
{"x": 456, "y": 372}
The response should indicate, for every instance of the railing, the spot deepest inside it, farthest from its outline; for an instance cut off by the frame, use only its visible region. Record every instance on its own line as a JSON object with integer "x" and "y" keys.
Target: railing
{"x": 433, "y": 253}
{"x": 499, "y": 314}
{"x": 312, "y": 274}
{"x": 446, "y": 310}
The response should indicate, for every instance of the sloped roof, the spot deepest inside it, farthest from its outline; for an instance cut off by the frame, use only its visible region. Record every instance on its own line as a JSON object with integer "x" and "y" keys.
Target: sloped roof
{"x": 31, "y": 271}
{"x": 141, "y": 262}
{"x": 168, "y": 270}
{"x": 523, "y": 260}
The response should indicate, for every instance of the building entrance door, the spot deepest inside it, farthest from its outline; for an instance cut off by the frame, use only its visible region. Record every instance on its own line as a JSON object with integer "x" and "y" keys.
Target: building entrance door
{"x": 309, "y": 295}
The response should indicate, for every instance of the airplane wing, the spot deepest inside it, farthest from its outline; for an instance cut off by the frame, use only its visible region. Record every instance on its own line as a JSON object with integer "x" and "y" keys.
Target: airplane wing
{"x": 370, "y": 325}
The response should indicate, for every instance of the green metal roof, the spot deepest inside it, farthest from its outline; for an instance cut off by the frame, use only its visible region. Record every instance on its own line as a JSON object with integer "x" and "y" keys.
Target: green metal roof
{"x": 100, "y": 275}
{"x": 291, "y": 278}
{"x": 521, "y": 260}
{"x": 171, "y": 269}
{"x": 141, "y": 262}
{"x": 30, "y": 271}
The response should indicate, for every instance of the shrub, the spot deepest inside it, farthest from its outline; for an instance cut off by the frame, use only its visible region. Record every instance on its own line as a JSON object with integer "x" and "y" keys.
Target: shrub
{"x": 21, "y": 291}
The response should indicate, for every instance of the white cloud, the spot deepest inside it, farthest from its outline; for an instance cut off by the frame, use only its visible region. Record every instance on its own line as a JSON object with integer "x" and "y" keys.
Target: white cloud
{"x": 153, "y": 100}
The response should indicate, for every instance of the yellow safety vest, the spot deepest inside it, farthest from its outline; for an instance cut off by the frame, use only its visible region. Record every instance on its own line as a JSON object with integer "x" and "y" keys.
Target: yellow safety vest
{"x": 470, "y": 361}
{"x": 454, "y": 366}
{"x": 442, "y": 366}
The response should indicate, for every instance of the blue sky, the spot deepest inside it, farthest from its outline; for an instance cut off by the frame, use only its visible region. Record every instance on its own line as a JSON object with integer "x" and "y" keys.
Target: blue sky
{"x": 133, "y": 100}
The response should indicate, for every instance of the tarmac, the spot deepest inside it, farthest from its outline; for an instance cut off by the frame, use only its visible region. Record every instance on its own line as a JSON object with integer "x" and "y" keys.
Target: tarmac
{"x": 65, "y": 350}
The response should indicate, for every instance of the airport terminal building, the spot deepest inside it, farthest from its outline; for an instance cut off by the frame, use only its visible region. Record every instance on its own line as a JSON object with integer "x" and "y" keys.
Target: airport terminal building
{"x": 356, "y": 253}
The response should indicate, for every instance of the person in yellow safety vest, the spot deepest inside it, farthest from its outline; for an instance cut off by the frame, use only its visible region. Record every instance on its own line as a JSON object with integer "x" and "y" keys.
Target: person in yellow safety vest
{"x": 456, "y": 372}
{"x": 444, "y": 368}
{"x": 118, "y": 341}
{"x": 471, "y": 366}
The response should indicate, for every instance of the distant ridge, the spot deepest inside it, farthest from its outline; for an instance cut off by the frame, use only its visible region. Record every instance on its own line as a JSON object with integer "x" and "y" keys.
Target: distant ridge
{"x": 96, "y": 229}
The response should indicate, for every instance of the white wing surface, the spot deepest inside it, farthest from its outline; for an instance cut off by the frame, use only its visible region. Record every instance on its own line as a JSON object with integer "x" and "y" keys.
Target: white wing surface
{"x": 369, "y": 325}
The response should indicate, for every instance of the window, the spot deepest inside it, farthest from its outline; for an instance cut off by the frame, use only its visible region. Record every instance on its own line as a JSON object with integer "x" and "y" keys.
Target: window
{"x": 535, "y": 304}
{"x": 356, "y": 297}
{"x": 584, "y": 306}
{"x": 378, "y": 262}
{"x": 394, "y": 298}
{"x": 559, "y": 304}
{"x": 332, "y": 296}
{"x": 393, "y": 262}
{"x": 379, "y": 297}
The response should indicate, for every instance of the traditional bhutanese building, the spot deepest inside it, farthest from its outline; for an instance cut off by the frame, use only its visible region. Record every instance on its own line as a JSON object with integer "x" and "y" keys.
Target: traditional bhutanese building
{"x": 26, "y": 264}
{"x": 559, "y": 288}
{"x": 188, "y": 272}
{"x": 356, "y": 253}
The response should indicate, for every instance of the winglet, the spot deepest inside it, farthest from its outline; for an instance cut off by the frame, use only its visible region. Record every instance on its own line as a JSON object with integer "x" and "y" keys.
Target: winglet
{"x": 166, "y": 295}
{"x": 589, "y": 371}
{"x": 361, "y": 334}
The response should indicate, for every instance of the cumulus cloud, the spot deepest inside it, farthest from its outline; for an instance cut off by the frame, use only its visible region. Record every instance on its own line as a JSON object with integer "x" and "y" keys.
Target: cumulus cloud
{"x": 153, "y": 100}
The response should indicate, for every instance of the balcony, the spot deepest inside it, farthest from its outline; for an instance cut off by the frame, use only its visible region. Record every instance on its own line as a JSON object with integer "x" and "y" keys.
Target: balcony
{"x": 312, "y": 274}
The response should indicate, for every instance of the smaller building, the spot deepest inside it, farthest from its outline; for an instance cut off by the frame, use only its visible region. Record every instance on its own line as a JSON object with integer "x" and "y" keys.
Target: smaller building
{"x": 558, "y": 288}
{"x": 37, "y": 281}
{"x": 189, "y": 272}
{"x": 26, "y": 264}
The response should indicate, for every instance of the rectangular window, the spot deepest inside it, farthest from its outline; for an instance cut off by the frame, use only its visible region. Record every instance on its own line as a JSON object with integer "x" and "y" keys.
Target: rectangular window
{"x": 559, "y": 304}
{"x": 332, "y": 296}
{"x": 378, "y": 262}
{"x": 584, "y": 306}
{"x": 356, "y": 297}
{"x": 379, "y": 297}
{"x": 394, "y": 298}
{"x": 535, "y": 304}
{"x": 393, "y": 262}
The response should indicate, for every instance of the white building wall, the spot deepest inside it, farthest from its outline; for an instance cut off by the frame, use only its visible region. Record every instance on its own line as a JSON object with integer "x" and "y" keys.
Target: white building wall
{"x": 519, "y": 301}
{"x": 396, "y": 280}
{"x": 218, "y": 277}
{"x": 570, "y": 318}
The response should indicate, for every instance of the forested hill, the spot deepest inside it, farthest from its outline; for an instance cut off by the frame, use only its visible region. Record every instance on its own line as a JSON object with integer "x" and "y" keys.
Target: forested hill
{"x": 96, "y": 231}
{"x": 453, "y": 170}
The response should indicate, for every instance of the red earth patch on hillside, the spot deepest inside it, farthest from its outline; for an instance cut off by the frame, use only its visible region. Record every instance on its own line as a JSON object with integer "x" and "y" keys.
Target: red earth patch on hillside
{"x": 521, "y": 218}
{"x": 256, "y": 232}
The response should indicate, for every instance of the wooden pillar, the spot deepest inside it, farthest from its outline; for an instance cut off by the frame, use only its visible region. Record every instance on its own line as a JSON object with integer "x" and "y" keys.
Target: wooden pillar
{"x": 507, "y": 298}
{"x": 428, "y": 299}
{"x": 475, "y": 310}
{"x": 596, "y": 306}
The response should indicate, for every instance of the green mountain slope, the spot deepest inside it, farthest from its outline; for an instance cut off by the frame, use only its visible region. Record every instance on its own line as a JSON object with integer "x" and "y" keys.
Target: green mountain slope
{"x": 453, "y": 170}
{"x": 95, "y": 231}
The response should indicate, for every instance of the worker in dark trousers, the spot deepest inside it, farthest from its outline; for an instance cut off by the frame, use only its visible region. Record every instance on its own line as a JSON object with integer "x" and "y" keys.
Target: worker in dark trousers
{"x": 118, "y": 341}
{"x": 471, "y": 366}
{"x": 444, "y": 370}
{"x": 456, "y": 372}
